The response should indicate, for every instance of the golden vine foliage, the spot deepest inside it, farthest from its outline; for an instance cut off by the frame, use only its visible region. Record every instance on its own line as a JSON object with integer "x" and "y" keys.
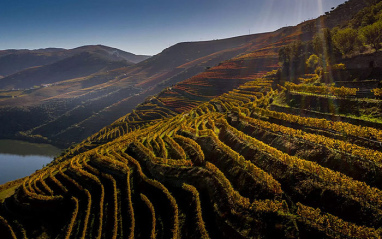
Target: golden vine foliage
{"x": 152, "y": 210}
{"x": 325, "y": 221}
{"x": 201, "y": 225}
{"x": 73, "y": 219}
{"x": 377, "y": 92}
{"x": 343, "y": 127}
{"x": 322, "y": 90}
{"x": 10, "y": 230}
{"x": 359, "y": 190}
{"x": 129, "y": 164}
{"x": 369, "y": 154}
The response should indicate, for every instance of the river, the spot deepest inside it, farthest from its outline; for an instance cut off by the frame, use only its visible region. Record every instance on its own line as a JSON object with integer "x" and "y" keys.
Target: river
{"x": 19, "y": 159}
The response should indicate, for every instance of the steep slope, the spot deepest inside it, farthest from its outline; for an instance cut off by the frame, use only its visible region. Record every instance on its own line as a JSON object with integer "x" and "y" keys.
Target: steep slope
{"x": 230, "y": 168}
{"x": 250, "y": 56}
{"x": 261, "y": 57}
{"x": 94, "y": 101}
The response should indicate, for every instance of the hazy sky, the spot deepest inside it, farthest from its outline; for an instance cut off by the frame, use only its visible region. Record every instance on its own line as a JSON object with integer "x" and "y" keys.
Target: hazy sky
{"x": 144, "y": 26}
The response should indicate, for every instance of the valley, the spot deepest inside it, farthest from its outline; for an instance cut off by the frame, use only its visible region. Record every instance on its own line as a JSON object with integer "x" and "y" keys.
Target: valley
{"x": 19, "y": 159}
{"x": 107, "y": 95}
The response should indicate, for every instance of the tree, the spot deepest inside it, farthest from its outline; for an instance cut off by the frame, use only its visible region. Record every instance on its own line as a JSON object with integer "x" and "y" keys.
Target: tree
{"x": 373, "y": 35}
{"x": 313, "y": 61}
{"x": 318, "y": 44}
{"x": 296, "y": 49}
{"x": 323, "y": 46}
{"x": 284, "y": 55}
{"x": 290, "y": 52}
{"x": 346, "y": 40}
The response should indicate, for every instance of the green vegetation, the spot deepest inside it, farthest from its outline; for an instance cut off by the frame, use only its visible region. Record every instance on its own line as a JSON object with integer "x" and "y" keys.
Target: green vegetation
{"x": 346, "y": 40}
{"x": 372, "y": 35}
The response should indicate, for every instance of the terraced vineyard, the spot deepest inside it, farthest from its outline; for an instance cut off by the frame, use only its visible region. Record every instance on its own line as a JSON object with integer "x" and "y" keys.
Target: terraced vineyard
{"x": 229, "y": 168}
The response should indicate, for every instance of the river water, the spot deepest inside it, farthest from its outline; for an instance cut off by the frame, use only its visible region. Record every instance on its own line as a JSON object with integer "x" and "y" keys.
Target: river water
{"x": 19, "y": 159}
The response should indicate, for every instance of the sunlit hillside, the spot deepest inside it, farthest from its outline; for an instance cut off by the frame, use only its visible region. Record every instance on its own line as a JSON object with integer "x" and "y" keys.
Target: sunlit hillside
{"x": 72, "y": 101}
{"x": 231, "y": 164}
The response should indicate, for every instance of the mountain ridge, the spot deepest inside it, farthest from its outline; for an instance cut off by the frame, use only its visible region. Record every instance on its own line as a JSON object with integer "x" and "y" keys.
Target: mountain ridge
{"x": 12, "y": 60}
{"x": 78, "y": 65}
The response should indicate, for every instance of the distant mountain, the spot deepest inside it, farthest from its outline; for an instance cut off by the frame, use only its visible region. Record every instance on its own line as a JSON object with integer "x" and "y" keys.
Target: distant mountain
{"x": 12, "y": 61}
{"x": 79, "y": 65}
{"x": 111, "y": 53}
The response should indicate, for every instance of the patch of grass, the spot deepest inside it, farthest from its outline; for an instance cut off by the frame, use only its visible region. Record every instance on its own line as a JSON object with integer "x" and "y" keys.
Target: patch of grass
{"x": 371, "y": 113}
{"x": 368, "y": 118}
{"x": 10, "y": 93}
{"x": 7, "y": 192}
{"x": 280, "y": 100}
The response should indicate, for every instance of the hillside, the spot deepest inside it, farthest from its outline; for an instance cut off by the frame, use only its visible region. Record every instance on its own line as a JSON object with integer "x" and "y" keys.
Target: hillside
{"x": 230, "y": 168}
{"x": 71, "y": 110}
